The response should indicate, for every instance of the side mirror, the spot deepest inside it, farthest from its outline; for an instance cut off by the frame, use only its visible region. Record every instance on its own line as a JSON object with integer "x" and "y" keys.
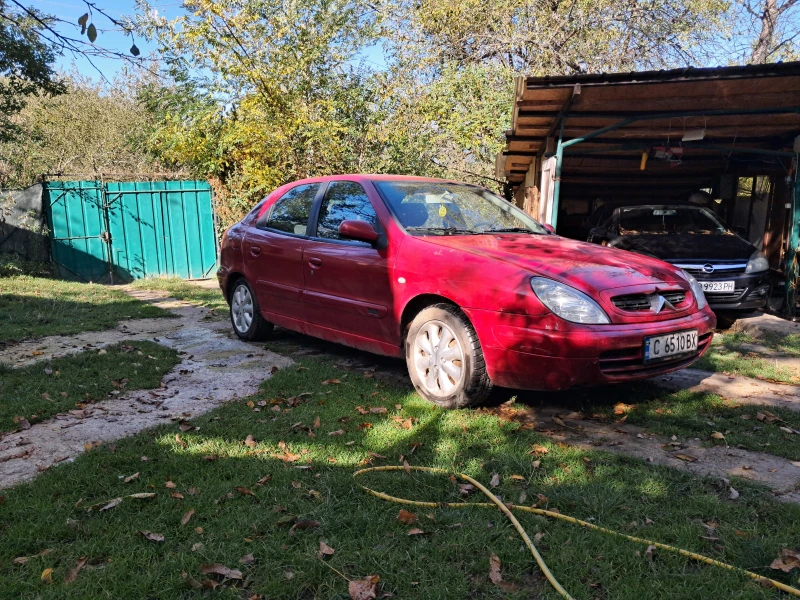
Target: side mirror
{"x": 549, "y": 227}
{"x": 358, "y": 230}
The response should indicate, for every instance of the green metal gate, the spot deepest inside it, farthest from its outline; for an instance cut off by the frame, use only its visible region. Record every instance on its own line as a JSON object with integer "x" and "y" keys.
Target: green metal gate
{"x": 120, "y": 231}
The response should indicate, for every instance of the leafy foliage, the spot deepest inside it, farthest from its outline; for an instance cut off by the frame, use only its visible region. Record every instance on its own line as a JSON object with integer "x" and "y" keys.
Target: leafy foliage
{"x": 26, "y": 63}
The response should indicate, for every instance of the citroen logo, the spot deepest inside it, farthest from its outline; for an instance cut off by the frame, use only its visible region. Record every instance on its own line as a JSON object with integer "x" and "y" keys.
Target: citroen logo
{"x": 708, "y": 268}
{"x": 658, "y": 302}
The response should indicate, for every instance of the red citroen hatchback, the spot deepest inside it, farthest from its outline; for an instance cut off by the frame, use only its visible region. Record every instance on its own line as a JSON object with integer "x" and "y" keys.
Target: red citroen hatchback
{"x": 472, "y": 291}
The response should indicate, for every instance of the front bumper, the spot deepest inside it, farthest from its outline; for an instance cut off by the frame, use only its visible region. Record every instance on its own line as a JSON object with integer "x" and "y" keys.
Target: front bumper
{"x": 520, "y": 356}
{"x": 751, "y": 291}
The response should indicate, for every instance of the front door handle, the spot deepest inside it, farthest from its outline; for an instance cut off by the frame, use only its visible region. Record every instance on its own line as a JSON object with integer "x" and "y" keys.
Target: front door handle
{"x": 315, "y": 262}
{"x": 255, "y": 250}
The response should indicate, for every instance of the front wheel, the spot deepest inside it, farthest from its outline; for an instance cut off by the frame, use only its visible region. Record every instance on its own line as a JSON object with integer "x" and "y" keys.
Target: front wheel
{"x": 444, "y": 358}
{"x": 246, "y": 317}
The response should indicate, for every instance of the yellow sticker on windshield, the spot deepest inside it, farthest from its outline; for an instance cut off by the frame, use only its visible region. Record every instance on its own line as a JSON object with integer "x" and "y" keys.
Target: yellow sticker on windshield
{"x": 442, "y": 211}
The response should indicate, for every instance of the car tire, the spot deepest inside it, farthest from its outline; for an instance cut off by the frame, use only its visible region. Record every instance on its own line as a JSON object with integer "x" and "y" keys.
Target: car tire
{"x": 245, "y": 313}
{"x": 444, "y": 358}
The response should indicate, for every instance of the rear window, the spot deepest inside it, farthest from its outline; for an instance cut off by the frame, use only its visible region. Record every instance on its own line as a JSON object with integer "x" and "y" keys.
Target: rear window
{"x": 668, "y": 219}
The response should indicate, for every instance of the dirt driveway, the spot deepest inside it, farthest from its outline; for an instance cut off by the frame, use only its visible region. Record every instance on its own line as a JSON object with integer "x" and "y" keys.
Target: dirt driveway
{"x": 217, "y": 367}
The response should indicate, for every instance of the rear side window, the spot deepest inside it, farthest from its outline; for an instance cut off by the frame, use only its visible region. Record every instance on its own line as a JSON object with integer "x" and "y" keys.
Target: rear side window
{"x": 344, "y": 201}
{"x": 290, "y": 213}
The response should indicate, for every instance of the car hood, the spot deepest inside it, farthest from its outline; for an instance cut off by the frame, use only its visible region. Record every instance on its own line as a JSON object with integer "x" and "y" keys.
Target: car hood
{"x": 588, "y": 267}
{"x": 697, "y": 247}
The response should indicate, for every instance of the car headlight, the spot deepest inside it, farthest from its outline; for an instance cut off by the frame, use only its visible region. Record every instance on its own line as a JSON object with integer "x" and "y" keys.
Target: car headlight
{"x": 757, "y": 263}
{"x": 697, "y": 290}
{"x": 567, "y": 302}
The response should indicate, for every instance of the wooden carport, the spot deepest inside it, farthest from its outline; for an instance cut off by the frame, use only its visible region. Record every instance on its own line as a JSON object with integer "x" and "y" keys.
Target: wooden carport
{"x": 581, "y": 141}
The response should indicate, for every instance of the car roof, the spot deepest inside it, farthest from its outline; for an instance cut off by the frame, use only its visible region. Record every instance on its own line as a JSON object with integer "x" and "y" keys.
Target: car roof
{"x": 376, "y": 177}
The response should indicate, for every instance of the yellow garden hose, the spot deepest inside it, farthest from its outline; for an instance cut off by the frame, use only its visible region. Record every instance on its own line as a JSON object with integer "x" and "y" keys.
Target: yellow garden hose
{"x": 507, "y": 508}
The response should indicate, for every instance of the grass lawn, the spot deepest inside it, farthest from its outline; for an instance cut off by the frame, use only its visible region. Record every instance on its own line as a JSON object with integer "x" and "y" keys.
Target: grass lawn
{"x": 699, "y": 414}
{"x": 183, "y": 290}
{"x": 727, "y": 355}
{"x": 44, "y": 389}
{"x": 32, "y": 307}
{"x": 262, "y": 506}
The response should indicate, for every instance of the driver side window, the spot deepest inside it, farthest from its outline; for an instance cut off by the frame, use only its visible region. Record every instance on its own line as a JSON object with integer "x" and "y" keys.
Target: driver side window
{"x": 344, "y": 201}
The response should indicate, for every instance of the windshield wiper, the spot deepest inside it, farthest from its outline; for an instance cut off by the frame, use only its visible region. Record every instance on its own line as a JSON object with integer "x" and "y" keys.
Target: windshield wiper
{"x": 509, "y": 230}
{"x": 444, "y": 230}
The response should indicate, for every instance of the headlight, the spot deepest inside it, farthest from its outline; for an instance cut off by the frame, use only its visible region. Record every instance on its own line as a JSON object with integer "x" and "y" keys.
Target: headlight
{"x": 697, "y": 290}
{"x": 568, "y": 303}
{"x": 757, "y": 263}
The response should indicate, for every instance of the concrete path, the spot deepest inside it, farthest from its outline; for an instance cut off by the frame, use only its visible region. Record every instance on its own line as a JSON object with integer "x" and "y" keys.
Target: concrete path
{"x": 216, "y": 367}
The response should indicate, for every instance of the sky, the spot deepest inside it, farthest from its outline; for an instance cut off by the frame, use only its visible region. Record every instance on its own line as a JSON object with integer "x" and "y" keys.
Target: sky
{"x": 111, "y": 37}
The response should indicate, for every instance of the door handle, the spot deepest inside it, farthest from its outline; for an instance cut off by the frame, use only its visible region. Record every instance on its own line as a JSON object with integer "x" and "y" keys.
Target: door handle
{"x": 315, "y": 262}
{"x": 255, "y": 250}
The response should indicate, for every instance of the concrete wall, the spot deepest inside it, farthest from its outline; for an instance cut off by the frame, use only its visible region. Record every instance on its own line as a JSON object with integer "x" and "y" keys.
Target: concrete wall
{"x": 23, "y": 229}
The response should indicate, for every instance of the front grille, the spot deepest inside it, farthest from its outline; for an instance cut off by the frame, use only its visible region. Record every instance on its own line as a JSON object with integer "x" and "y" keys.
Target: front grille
{"x": 718, "y": 269}
{"x": 736, "y": 294}
{"x": 635, "y": 302}
{"x": 630, "y": 361}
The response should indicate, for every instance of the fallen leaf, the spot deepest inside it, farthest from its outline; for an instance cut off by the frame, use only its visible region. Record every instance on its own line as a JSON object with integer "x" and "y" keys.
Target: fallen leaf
{"x": 407, "y": 467}
{"x": 142, "y": 495}
{"x": 494, "y": 569}
{"x": 406, "y": 517}
{"x": 621, "y": 408}
{"x": 649, "y": 552}
{"x": 324, "y": 550}
{"x": 264, "y": 479}
{"x": 153, "y": 537}
{"x": 177, "y": 495}
{"x": 517, "y": 478}
{"x": 685, "y": 457}
{"x": 787, "y": 560}
{"x": 130, "y": 478}
{"x": 364, "y": 589}
{"x": 717, "y": 435}
{"x": 306, "y": 524}
{"x": 415, "y": 531}
{"x": 378, "y": 410}
{"x": 337, "y": 432}
{"x": 733, "y": 495}
{"x": 222, "y": 570}
{"x": 111, "y": 504}
{"x": 244, "y": 491}
{"x": 536, "y": 463}
{"x": 466, "y": 488}
{"x": 47, "y": 576}
{"x": 171, "y": 485}
{"x": 250, "y": 442}
{"x": 331, "y": 382}
{"x": 73, "y": 572}
{"x": 247, "y": 559}
{"x": 538, "y": 449}
{"x": 186, "y": 516}
{"x": 375, "y": 455}
{"x": 316, "y": 423}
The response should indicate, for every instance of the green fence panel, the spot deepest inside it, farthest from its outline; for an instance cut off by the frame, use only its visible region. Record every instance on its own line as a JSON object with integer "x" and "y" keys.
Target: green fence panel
{"x": 153, "y": 228}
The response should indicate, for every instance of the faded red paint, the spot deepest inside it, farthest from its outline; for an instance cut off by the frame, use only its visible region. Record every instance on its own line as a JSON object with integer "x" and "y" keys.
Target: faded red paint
{"x": 355, "y": 295}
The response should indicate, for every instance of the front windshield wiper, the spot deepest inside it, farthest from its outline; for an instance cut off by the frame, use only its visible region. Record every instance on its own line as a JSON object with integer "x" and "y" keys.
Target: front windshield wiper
{"x": 444, "y": 230}
{"x": 509, "y": 230}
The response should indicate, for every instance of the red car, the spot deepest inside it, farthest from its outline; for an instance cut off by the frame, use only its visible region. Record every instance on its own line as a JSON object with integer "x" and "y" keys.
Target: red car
{"x": 473, "y": 292}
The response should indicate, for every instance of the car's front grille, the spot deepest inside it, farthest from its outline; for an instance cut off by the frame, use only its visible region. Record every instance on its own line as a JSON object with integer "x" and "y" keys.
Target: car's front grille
{"x": 716, "y": 268}
{"x": 636, "y": 302}
{"x": 736, "y": 294}
{"x": 630, "y": 361}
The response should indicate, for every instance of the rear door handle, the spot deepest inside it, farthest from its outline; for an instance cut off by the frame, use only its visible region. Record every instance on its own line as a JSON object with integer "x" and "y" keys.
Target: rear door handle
{"x": 255, "y": 250}
{"x": 315, "y": 262}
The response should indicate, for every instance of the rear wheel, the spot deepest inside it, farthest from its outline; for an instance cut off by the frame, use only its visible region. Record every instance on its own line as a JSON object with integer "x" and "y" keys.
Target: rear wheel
{"x": 246, "y": 317}
{"x": 445, "y": 360}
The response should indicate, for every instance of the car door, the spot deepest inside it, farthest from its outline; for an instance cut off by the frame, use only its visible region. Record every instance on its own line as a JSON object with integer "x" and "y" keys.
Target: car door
{"x": 273, "y": 252}
{"x": 347, "y": 283}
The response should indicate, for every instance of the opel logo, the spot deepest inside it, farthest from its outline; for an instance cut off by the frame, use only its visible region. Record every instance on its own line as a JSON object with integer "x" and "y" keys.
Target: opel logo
{"x": 708, "y": 268}
{"x": 658, "y": 302}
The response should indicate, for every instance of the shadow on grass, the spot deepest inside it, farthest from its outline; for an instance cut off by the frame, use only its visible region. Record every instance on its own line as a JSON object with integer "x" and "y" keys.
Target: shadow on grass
{"x": 309, "y": 478}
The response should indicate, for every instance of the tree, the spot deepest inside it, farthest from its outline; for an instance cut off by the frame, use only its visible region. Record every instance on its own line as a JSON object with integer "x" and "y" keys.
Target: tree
{"x": 26, "y": 63}
{"x": 775, "y": 27}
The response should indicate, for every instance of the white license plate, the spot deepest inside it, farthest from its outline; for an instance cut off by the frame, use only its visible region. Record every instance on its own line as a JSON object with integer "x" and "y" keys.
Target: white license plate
{"x": 717, "y": 286}
{"x": 657, "y": 347}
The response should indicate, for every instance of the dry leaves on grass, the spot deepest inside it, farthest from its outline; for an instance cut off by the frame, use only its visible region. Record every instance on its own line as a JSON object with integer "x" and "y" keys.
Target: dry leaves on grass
{"x": 221, "y": 570}
{"x": 406, "y": 517}
{"x": 495, "y": 480}
{"x": 324, "y": 551}
{"x": 153, "y": 537}
{"x": 247, "y": 559}
{"x": 250, "y": 442}
{"x": 415, "y": 531}
{"x": 787, "y": 560}
{"x": 47, "y": 576}
{"x": 130, "y": 478}
{"x": 331, "y": 382}
{"x": 364, "y": 589}
{"x": 187, "y": 516}
{"x": 494, "y": 569}
{"x": 306, "y": 524}
{"x": 73, "y": 572}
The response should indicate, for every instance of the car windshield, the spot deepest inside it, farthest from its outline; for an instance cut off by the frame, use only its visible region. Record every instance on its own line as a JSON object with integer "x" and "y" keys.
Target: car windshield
{"x": 441, "y": 208}
{"x": 669, "y": 219}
